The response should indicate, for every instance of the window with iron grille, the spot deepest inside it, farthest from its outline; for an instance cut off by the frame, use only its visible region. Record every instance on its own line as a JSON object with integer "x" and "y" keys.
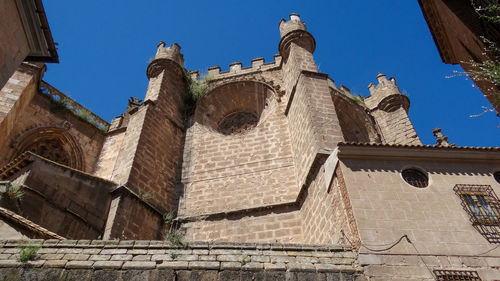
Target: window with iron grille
{"x": 483, "y": 207}
{"x": 415, "y": 177}
{"x": 445, "y": 275}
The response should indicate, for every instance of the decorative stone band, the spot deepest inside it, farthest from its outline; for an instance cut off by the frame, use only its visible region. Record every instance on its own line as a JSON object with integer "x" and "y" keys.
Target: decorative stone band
{"x": 216, "y": 259}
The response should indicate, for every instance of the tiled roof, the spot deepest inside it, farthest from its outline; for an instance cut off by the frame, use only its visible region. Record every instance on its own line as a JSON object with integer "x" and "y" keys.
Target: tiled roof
{"x": 419, "y": 146}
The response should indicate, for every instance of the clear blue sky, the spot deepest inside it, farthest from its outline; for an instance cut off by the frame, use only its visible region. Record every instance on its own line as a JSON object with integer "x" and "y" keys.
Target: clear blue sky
{"x": 104, "y": 49}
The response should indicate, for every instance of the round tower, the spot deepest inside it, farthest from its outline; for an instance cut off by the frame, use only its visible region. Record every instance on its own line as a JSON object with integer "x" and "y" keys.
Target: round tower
{"x": 294, "y": 31}
{"x": 166, "y": 57}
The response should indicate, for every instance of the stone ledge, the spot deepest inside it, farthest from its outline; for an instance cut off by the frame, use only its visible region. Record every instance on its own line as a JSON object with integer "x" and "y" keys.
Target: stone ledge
{"x": 61, "y": 274}
{"x": 158, "y": 244}
{"x": 115, "y": 255}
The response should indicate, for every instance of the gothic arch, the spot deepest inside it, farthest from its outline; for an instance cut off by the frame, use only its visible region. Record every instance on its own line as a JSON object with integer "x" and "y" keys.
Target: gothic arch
{"x": 51, "y": 141}
{"x": 355, "y": 123}
{"x": 234, "y": 107}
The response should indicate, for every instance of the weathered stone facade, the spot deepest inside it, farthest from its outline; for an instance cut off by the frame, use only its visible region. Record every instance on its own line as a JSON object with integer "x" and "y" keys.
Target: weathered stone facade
{"x": 272, "y": 153}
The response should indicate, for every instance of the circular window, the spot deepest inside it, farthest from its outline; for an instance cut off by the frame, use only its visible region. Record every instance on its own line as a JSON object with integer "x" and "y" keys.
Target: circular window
{"x": 496, "y": 175}
{"x": 415, "y": 177}
{"x": 237, "y": 122}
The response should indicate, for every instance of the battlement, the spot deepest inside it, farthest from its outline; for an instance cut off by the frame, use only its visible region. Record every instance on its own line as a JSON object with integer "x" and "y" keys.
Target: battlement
{"x": 236, "y": 68}
{"x": 384, "y": 88}
{"x": 172, "y": 53}
{"x": 383, "y": 84}
{"x": 295, "y": 31}
{"x": 293, "y": 24}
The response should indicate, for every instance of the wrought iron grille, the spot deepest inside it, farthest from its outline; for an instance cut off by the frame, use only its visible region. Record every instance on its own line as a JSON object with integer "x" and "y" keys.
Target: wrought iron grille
{"x": 415, "y": 177}
{"x": 445, "y": 275}
{"x": 483, "y": 207}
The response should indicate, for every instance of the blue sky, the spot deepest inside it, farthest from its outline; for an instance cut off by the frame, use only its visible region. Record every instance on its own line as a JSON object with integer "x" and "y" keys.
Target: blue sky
{"x": 104, "y": 49}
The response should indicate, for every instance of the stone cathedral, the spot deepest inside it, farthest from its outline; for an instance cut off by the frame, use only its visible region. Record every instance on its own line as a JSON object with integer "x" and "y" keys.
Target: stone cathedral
{"x": 271, "y": 172}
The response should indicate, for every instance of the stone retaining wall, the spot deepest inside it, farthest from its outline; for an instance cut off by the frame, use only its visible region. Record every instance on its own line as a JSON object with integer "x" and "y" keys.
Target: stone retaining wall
{"x": 159, "y": 260}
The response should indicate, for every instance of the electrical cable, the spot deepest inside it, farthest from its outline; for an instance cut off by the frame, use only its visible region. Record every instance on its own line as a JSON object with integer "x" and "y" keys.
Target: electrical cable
{"x": 392, "y": 245}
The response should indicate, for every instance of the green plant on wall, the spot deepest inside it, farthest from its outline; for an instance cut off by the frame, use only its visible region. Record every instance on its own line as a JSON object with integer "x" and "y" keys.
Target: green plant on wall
{"x": 28, "y": 252}
{"x": 357, "y": 99}
{"x": 175, "y": 236}
{"x": 194, "y": 91}
{"x": 174, "y": 255}
{"x": 14, "y": 191}
{"x": 60, "y": 104}
{"x": 168, "y": 218}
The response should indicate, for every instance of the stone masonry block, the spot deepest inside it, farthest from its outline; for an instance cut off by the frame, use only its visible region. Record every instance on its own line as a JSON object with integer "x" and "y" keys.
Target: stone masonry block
{"x": 204, "y": 265}
{"x": 79, "y": 264}
{"x": 369, "y": 259}
{"x": 139, "y": 265}
{"x": 108, "y": 264}
{"x": 177, "y": 265}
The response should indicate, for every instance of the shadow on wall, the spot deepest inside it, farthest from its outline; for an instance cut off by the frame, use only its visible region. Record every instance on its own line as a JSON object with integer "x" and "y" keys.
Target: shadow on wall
{"x": 355, "y": 123}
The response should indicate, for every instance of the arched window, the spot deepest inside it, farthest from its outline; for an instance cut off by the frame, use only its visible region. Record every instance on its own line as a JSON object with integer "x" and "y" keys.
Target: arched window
{"x": 355, "y": 124}
{"x": 50, "y": 141}
{"x": 234, "y": 107}
{"x": 50, "y": 148}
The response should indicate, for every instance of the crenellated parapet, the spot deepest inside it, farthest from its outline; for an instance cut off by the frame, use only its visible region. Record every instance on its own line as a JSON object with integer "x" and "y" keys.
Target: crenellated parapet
{"x": 237, "y": 68}
{"x": 294, "y": 30}
{"x": 386, "y": 95}
{"x": 166, "y": 58}
{"x": 390, "y": 108}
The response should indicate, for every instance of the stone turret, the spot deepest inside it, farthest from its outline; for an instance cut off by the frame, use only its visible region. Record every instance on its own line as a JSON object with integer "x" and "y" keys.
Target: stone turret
{"x": 147, "y": 165}
{"x": 386, "y": 95}
{"x": 172, "y": 53}
{"x": 310, "y": 108}
{"x": 390, "y": 109}
{"x": 294, "y": 32}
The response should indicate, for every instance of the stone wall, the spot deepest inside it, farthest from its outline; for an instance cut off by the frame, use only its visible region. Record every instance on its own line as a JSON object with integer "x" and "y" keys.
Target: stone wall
{"x": 13, "y": 42}
{"x": 68, "y": 202}
{"x": 254, "y": 168}
{"x": 158, "y": 260}
{"x": 130, "y": 217}
{"x": 396, "y": 127}
{"x": 109, "y": 153}
{"x": 327, "y": 211}
{"x": 386, "y": 208}
{"x": 274, "y": 225}
{"x": 31, "y": 120}
{"x": 16, "y": 95}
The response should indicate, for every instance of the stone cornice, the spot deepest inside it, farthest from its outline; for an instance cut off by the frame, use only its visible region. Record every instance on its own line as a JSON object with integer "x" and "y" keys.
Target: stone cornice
{"x": 431, "y": 152}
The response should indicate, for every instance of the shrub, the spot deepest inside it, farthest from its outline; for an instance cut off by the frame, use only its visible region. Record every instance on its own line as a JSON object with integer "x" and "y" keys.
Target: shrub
{"x": 28, "y": 252}
{"x": 357, "y": 99}
{"x": 195, "y": 90}
{"x": 14, "y": 191}
{"x": 168, "y": 217}
{"x": 175, "y": 237}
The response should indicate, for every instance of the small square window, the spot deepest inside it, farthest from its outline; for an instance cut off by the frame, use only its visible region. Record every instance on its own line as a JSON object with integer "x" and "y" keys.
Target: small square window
{"x": 445, "y": 275}
{"x": 483, "y": 207}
